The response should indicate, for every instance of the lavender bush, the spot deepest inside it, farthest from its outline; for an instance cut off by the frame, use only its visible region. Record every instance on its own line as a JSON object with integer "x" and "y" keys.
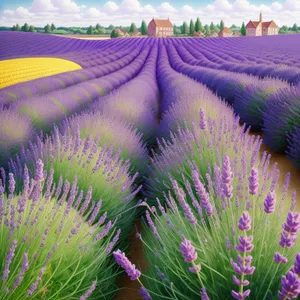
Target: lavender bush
{"x": 112, "y": 132}
{"x": 49, "y": 249}
{"x": 293, "y": 151}
{"x": 250, "y": 103}
{"x": 223, "y": 240}
{"x": 281, "y": 117}
{"x": 96, "y": 169}
{"x": 14, "y": 131}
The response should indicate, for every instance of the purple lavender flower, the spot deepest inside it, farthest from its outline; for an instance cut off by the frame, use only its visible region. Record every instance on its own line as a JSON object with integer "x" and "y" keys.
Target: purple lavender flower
{"x": 296, "y": 268}
{"x": 203, "y": 123}
{"x": 279, "y": 259}
{"x": 12, "y": 183}
{"x": 227, "y": 178}
{"x": 240, "y": 296}
{"x": 89, "y": 291}
{"x": 253, "y": 182}
{"x": 245, "y": 244}
{"x": 245, "y": 222}
{"x": 290, "y": 229}
{"x": 9, "y": 259}
{"x": 290, "y": 286}
{"x": 269, "y": 204}
{"x": 188, "y": 251}
{"x": 152, "y": 225}
{"x": 203, "y": 195}
{"x": 124, "y": 262}
{"x": 204, "y": 295}
{"x": 25, "y": 267}
{"x": 39, "y": 176}
{"x": 145, "y": 293}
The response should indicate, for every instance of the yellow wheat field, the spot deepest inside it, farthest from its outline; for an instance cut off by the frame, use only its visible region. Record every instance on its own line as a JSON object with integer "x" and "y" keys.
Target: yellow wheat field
{"x": 13, "y": 71}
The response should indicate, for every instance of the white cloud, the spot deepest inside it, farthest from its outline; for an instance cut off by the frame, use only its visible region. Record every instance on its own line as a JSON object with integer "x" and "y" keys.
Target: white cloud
{"x": 93, "y": 12}
{"x": 42, "y": 6}
{"x": 166, "y": 7}
{"x": 69, "y": 13}
{"x": 110, "y": 7}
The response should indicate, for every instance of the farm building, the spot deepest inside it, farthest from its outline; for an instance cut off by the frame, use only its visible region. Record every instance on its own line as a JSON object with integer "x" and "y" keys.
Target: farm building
{"x": 160, "y": 28}
{"x": 213, "y": 34}
{"x": 225, "y": 32}
{"x": 199, "y": 34}
{"x": 259, "y": 28}
{"x": 122, "y": 32}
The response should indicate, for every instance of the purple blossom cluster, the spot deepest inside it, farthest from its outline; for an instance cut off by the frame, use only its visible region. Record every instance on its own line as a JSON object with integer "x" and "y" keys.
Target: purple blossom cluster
{"x": 40, "y": 227}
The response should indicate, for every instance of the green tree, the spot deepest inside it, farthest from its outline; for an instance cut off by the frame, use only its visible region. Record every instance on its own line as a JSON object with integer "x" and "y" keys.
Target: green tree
{"x": 192, "y": 27}
{"x": 243, "y": 29}
{"x": 185, "y": 28}
{"x": 174, "y": 29}
{"x": 115, "y": 34}
{"x": 31, "y": 28}
{"x": 13, "y": 28}
{"x": 222, "y": 25}
{"x": 111, "y": 27}
{"x": 90, "y": 30}
{"x": 98, "y": 26}
{"x": 25, "y": 27}
{"x": 53, "y": 27}
{"x": 47, "y": 28}
{"x": 233, "y": 26}
{"x": 132, "y": 28}
{"x": 144, "y": 29}
{"x": 295, "y": 28}
{"x": 18, "y": 28}
{"x": 198, "y": 25}
{"x": 212, "y": 26}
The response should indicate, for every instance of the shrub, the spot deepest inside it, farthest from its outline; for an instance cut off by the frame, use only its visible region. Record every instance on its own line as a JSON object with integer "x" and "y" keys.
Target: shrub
{"x": 250, "y": 102}
{"x": 281, "y": 117}
{"x": 14, "y": 130}
{"x": 96, "y": 167}
{"x": 49, "y": 250}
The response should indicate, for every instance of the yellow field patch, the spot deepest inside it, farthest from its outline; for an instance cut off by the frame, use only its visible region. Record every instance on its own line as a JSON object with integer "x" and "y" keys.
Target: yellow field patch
{"x": 13, "y": 71}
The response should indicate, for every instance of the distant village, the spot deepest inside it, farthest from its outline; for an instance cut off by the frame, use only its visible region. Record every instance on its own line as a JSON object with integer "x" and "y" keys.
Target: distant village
{"x": 165, "y": 28}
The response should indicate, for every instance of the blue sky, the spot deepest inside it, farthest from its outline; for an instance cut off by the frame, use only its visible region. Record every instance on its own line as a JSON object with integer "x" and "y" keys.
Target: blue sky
{"x": 123, "y": 12}
{"x": 13, "y": 4}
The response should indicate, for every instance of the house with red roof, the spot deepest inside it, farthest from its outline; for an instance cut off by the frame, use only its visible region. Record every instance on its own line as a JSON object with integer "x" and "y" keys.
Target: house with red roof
{"x": 160, "y": 28}
{"x": 225, "y": 32}
{"x": 259, "y": 28}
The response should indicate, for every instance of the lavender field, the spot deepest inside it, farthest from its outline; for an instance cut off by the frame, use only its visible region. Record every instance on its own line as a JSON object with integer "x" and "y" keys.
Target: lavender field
{"x": 153, "y": 171}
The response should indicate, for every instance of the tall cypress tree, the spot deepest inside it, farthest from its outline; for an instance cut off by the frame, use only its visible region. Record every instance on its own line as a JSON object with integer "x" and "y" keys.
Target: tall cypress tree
{"x": 222, "y": 25}
{"x": 185, "y": 29}
{"x": 243, "y": 29}
{"x": 197, "y": 25}
{"x": 144, "y": 29}
{"x": 192, "y": 27}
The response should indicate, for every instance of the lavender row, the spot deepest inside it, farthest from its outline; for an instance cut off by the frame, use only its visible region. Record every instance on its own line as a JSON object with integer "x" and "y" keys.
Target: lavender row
{"x": 136, "y": 102}
{"x": 195, "y": 58}
{"x": 48, "y": 84}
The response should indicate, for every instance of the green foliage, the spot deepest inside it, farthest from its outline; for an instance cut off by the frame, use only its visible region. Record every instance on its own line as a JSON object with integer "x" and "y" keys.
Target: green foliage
{"x": 31, "y": 28}
{"x": 144, "y": 28}
{"x": 243, "y": 29}
{"x": 47, "y": 28}
{"x": 132, "y": 28}
{"x": 90, "y": 30}
{"x": 295, "y": 28}
{"x": 25, "y": 27}
{"x": 198, "y": 25}
{"x": 13, "y": 28}
{"x": 70, "y": 270}
{"x": 115, "y": 34}
{"x": 53, "y": 27}
{"x": 192, "y": 27}
{"x": 185, "y": 28}
{"x": 222, "y": 25}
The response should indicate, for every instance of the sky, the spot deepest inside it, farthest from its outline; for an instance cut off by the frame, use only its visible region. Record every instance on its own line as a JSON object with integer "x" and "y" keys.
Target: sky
{"x": 123, "y": 12}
